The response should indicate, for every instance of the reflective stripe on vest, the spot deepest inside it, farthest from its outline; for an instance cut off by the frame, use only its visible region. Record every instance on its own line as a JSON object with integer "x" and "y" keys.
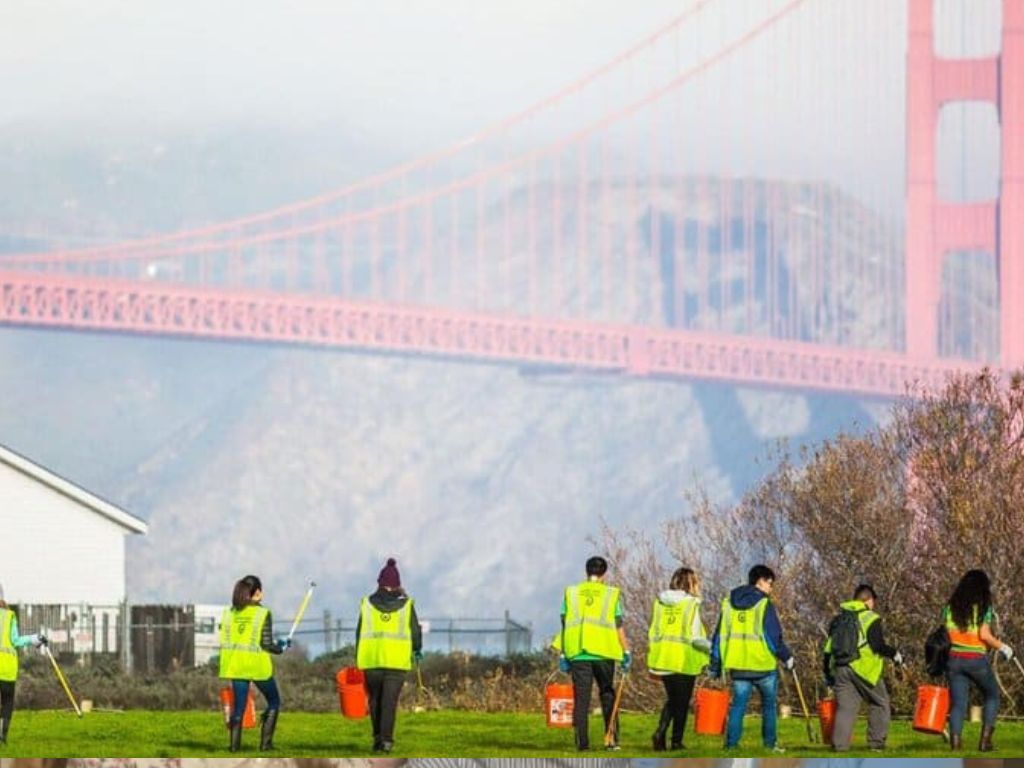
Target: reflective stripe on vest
{"x": 670, "y": 645}
{"x": 241, "y": 657}
{"x": 385, "y": 639}
{"x": 8, "y": 653}
{"x": 965, "y": 641}
{"x": 742, "y": 641}
{"x": 590, "y": 621}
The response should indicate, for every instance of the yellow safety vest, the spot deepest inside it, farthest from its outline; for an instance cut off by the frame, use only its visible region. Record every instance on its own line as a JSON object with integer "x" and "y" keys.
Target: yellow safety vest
{"x": 241, "y": 657}
{"x": 670, "y": 645}
{"x": 868, "y": 665}
{"x": 742, "y": 641}
{"x": 385, "y": 639}
{"x": 590, "y": 621}
{"x": 8, "y": 653}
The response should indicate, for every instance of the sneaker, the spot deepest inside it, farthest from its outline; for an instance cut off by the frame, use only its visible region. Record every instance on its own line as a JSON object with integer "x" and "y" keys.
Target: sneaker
{"x": 778, "y": 750}
{"x": 613, "y": 748}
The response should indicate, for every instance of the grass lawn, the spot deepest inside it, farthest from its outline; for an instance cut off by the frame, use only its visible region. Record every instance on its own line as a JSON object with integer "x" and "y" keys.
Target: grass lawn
{"x": 455, "y": 734}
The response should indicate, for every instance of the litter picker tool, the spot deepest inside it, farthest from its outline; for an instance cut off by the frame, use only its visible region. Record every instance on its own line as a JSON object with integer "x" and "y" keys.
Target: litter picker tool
{"x": 1019, "y": 667}
{"x": 63, "y": 680}
{"x": 302, "y": 609}
{"x": 610, "y": 735}
{"x": 803, "y": 706}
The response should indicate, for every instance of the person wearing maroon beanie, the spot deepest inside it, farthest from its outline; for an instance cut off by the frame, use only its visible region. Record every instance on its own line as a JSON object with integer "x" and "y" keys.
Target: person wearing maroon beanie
{"x": 388, "y": 640}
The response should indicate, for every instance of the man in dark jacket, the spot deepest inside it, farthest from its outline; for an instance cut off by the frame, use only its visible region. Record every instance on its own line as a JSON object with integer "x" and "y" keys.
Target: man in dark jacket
{"x": 388, "y": 640}
{"x": 748, "y": 645}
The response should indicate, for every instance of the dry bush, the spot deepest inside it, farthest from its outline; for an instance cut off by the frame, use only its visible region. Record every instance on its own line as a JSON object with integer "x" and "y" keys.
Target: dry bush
{"x": 907, "y": 507}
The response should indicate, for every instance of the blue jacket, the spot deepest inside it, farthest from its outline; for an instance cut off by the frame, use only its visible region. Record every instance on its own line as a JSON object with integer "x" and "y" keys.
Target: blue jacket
{"x": 744, "y": 598}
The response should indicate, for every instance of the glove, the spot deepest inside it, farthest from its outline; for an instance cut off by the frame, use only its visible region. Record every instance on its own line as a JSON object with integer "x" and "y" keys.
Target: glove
{"x": 830, "y": 681}
{"x": 284, "y": 643}
{"x": 790, "y": 664}
{"x": 417, "y": 656}
{"x": 897, "y": 659}
{"x": 715, "y": 673}
{"x": 564, "y": 665}
{"x": 627, "y": 662}
{"x": 1007, "y": 651}
{"x": 701, "y": 644}
{"x": 40, "y": 640}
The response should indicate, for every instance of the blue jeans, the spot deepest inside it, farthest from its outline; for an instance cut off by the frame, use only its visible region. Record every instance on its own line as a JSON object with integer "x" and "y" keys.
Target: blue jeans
{"x": 241, "y": 690}
{"x": 963, "y": 672}
{"x": 768, "y": 688}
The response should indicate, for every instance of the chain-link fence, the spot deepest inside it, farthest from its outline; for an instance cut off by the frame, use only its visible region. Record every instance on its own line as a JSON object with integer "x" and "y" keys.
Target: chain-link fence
{"x": 164, "y": 638}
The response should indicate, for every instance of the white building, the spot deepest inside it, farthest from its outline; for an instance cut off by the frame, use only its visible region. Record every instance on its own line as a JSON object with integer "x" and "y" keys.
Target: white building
{"x": 60, "y": 543}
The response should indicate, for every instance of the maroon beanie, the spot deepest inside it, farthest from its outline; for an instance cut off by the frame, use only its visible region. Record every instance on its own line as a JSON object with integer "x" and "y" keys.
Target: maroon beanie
{"x": 389, "y": 576}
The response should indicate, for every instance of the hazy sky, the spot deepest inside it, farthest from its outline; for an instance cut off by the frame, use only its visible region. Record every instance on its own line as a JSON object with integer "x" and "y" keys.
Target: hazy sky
{"x": 413, "y": 75}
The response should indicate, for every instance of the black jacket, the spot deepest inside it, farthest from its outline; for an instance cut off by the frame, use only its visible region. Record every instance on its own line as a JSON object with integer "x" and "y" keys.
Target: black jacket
{"x": 876, "y": 642}
{"x": 389, "y": 602}
{"x": 267, "y": 642}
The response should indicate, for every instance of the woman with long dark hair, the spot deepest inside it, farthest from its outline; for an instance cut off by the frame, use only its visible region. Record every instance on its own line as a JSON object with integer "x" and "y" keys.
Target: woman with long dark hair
{"x": 246, "y": 644}
{"x": 968, "y": 617}
{"x": 677, "y": 652}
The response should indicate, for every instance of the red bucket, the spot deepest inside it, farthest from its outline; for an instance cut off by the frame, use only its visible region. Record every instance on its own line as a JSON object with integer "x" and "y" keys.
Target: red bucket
{"x": 352, "y": 697}
{"x": 558, "y": 705}
{"x": 827, "y": 719}
{"x": 227, "y": 703}
{"x": 711, "y": 708}
{"x": 932, "y": 709}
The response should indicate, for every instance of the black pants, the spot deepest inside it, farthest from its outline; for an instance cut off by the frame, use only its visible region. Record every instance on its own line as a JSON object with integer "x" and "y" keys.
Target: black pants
{"x": 384, "y": 686}
{"x": 678, "y": 690}
{"x": 6, "y": 702}
{"x": 584, "y": 675}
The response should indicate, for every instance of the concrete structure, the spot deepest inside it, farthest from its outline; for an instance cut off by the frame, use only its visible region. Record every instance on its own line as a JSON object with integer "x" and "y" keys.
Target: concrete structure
{"x": 61, "y": 543}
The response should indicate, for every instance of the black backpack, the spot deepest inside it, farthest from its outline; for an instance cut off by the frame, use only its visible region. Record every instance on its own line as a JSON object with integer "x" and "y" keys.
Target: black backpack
{"x": 936, "y": 651}
{"x": 844, "y": 632}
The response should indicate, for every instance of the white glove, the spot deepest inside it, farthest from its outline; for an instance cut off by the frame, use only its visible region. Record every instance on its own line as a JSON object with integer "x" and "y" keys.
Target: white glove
{"x": 1007, "y": 651}
{"x": 898, "y": 659}
{"x": 790, "y": 664}
{"x": 702, "y": 644}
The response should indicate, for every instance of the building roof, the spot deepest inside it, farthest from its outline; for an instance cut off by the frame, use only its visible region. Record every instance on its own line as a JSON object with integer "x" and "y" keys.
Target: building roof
{"x": 77, "y": 494}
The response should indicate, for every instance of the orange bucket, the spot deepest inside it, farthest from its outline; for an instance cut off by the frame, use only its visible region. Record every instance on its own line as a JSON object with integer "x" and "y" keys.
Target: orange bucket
{"x": 711, "y": 708}
{"x": 932, "y": 709}
{"x": 558, "y": 705}
{"x": 227, "y": 703}
{"x": 827, "y": 719}
{"x": 352, "y": 696}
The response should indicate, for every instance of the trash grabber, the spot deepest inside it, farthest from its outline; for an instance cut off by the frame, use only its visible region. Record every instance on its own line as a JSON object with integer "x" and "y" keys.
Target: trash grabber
{"x": 302, "y": 609}
{"x": 1019, "y": 667}
{"x": 803, "y": 705}
{"x": 63, "y": 680}
{"x": 610, "y": 735}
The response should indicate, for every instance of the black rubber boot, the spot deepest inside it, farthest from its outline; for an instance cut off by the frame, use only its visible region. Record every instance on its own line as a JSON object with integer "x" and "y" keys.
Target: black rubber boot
{"x": 267, "y": 731}
{"x": 985, "y": 742}
{"x": 3, "y": 732}
{"x": 658, "y": 739}
{"x": 236, "y": 737}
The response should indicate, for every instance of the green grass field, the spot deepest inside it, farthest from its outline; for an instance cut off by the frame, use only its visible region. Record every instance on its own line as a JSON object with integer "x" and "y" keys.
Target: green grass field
{"x": 456, "y": 734}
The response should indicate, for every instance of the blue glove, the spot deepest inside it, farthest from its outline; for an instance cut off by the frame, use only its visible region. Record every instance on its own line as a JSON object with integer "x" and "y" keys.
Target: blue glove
{"x": 564, "y": 665}
{"x": 284, "y": 643}
{"x": 417, "y": 656}
{"x": 627, "y": 662}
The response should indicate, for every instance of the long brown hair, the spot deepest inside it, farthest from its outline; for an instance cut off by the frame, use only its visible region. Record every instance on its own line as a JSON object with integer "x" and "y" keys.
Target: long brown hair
{"x": 687, "y": 580}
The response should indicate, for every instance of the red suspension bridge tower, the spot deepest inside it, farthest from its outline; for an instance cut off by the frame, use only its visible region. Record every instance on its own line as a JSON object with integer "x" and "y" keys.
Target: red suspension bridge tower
{"x": 935, "y": 227}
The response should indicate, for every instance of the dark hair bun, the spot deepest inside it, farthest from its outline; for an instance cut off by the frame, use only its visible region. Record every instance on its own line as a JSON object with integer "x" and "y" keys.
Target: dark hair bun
{"x": 391, "y": 561}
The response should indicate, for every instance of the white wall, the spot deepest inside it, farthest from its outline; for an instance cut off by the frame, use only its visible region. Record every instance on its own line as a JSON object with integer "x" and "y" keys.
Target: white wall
{"x": 55, "y": 550}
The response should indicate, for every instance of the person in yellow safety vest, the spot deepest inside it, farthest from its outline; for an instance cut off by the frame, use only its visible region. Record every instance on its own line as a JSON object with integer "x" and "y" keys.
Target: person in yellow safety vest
{"x": 860, "y": 679}
{"x": 591, "y": 641}
{"x": 677, "y": 651}
{"x": 246, "y": 644}
{"x": 748, "y": 645}
{"x": 388, "y": 640}
{"x": 10, "y": 642}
